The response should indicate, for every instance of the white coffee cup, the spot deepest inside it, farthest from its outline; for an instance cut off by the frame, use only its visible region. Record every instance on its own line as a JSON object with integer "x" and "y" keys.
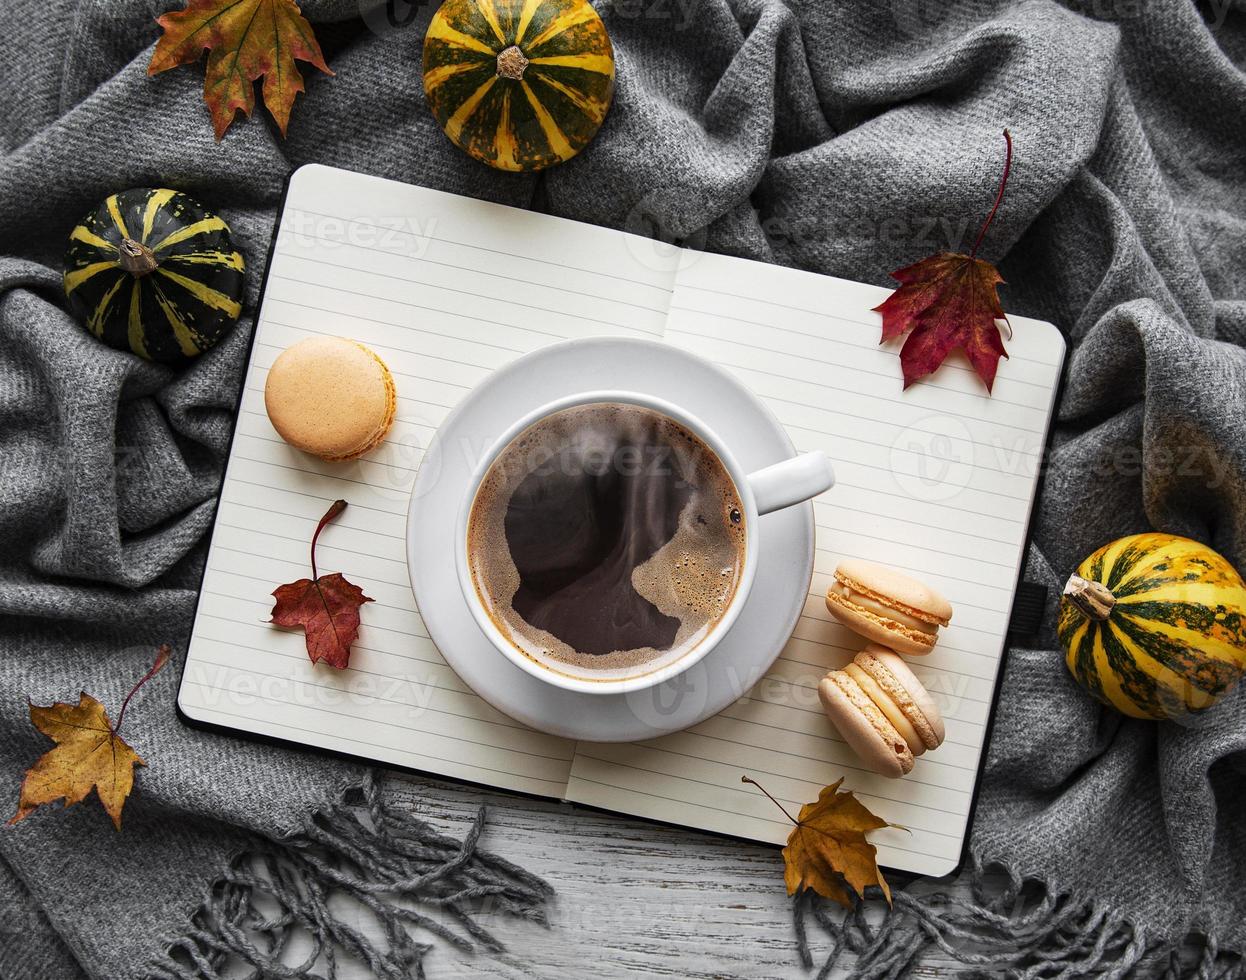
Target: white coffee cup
{"x": 771, "y": 488}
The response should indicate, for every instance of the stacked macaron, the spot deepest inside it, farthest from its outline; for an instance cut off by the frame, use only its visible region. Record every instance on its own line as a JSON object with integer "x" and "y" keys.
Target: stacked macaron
{"x": 887, "y": 606}
{"x": 882, "y": 710}
{"x": 876, "y": 702}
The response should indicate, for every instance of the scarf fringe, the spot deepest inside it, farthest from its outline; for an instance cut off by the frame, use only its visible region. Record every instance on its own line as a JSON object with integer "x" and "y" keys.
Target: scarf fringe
{"x": 1015, "y": 928}
{"x": 392, "y": 864}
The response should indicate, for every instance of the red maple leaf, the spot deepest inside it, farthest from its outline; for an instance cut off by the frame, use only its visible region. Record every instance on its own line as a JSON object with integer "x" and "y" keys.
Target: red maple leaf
{"x": 949, "y": 300}
{"x": 325, "y": 607}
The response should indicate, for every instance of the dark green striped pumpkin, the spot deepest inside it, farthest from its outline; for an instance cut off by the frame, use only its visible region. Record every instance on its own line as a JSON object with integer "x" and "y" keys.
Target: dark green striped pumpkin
{"x": 154, "y": 272}
{"x": 518, "y": 84}
{"x": 1155, "y": 625}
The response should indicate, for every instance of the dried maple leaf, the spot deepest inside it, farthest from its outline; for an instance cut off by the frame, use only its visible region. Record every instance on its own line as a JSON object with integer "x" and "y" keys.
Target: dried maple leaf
{"x": 325, "y": 607}
{"x": 89, "y": 754}
{"x": 248, "y": 39}
{"x": 827, "y": 847}
{"x": 949, "y": 300}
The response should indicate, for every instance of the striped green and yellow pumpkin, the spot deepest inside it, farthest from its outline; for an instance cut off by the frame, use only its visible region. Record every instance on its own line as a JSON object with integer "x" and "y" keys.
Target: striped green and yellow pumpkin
{"x": 154, "y": 272}
{"x": 518, "y": 84}
{"x": 1154, "y": 625}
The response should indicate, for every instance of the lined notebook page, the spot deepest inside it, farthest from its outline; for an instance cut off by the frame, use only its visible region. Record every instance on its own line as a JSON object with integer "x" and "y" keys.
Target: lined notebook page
{"x": 445, "y": 289}
{"x": 938, "y": 481}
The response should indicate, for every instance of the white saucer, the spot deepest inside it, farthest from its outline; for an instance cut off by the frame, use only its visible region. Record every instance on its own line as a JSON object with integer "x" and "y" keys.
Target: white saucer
{"x": 770, "y": 612}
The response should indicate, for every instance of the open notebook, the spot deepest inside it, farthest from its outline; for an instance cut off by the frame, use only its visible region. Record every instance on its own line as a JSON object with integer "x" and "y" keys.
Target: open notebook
{"x": 938, "y": 480}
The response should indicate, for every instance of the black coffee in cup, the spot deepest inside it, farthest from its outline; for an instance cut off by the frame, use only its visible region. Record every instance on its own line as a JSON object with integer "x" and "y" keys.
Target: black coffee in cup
{"x": 606, "y": 541}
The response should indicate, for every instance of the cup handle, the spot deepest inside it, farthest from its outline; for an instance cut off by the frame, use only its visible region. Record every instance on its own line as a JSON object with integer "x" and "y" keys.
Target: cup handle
{"x": 791, "y": 481}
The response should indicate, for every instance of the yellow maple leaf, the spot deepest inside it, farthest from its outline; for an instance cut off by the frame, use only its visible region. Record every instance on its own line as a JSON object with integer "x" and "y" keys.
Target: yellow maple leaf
{"x": 89, "y": 754}
{"x": 248, "y": 39}
{"x": 827, "y": 847}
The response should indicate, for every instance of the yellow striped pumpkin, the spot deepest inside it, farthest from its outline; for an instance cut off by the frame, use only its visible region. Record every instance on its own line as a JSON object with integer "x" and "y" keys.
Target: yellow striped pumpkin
{"x": 1154, "y": 625}
{"x": 154, "y": 272}
{"x": 518, "y": 84}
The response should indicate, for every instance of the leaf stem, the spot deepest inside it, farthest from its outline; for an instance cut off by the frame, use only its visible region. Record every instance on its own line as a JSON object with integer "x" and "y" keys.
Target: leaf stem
{"x": 335, "y": 508}
{"x": 162, "y": 658}
{"x": 999, "y": 195}
{"x": 747, "y": 779}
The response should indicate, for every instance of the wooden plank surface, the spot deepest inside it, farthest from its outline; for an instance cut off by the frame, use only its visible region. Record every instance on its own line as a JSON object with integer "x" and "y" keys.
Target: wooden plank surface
{"x": 635, "y": 899}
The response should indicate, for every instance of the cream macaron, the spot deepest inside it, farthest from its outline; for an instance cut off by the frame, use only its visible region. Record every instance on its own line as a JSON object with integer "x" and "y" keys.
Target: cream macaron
{"x": 331, "y": 397}
{"x": 887, "y": 606}
{"x": 882, "y": 711}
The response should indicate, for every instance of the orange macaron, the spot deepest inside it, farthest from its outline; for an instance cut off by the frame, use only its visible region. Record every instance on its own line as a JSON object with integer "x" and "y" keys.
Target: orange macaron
{"x": 331, "y": 397}
{"x": 887, "y": 606}
{"x": 882, "y": 711}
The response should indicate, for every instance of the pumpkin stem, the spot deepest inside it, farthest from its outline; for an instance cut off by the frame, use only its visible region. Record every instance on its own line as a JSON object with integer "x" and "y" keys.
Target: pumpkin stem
{"x": 512, "y": 62}
{"x": 136, "y": 258}
{"x": 1094, "y": 600}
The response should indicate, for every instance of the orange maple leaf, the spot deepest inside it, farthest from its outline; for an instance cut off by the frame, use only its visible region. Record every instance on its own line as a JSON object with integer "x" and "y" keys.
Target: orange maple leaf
{"x": 325, "y": 607}
{"x": 89, "y": 754}
{"x": 827, "y": 848}
{"x": 248, "y": 39}
{"x": 949, "y": 300}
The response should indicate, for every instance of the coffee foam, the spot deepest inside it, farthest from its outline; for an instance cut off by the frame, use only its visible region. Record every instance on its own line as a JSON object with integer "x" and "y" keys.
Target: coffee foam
{"x": 692, "y": 578}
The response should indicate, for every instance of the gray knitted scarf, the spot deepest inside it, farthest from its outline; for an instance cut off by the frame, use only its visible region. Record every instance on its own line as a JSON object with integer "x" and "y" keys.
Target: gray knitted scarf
{"x": 848, "y": 137}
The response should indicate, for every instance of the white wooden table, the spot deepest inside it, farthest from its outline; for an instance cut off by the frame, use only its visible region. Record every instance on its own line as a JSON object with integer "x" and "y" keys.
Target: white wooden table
{"x": 634, "y": 898}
